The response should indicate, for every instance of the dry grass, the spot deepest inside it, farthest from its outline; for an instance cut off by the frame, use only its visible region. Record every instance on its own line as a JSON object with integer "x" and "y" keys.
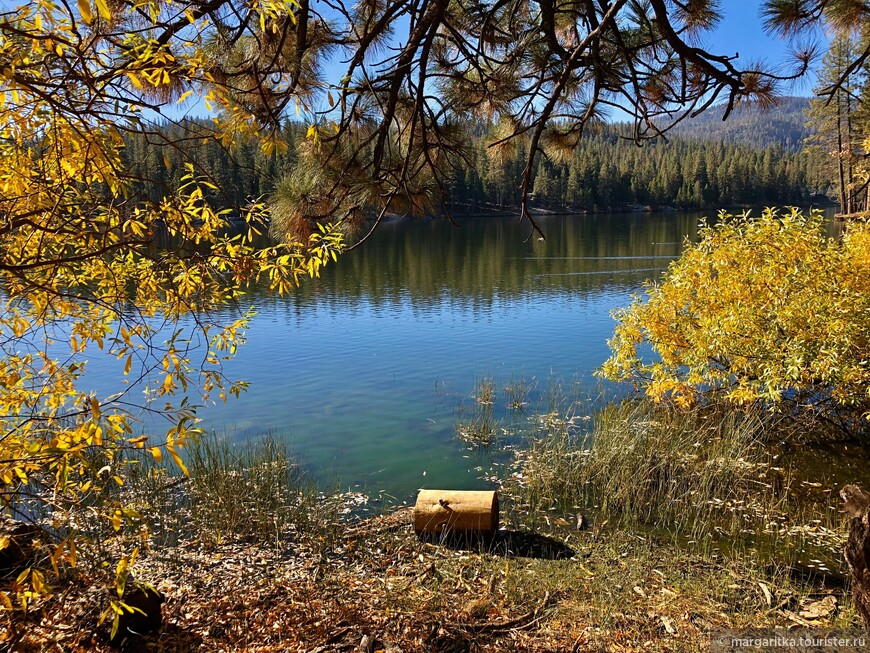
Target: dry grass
{"x": 705, "y": 477}
{"x": 619, "y": 592}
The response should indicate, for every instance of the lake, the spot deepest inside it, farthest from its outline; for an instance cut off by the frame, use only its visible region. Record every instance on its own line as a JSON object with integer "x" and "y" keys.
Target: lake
{"x": 366, "y": 370}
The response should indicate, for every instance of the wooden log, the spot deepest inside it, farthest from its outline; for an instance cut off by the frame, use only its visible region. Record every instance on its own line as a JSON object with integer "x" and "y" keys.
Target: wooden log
{"x": 857, "y": 550}
{"x": 456, "y": 511}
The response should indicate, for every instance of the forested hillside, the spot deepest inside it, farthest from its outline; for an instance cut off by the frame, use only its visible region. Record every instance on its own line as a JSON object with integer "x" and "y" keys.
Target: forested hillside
{"x": 749, "y": 124}
{"x": 240, "y": 172}
{"x": 606, "y": 171}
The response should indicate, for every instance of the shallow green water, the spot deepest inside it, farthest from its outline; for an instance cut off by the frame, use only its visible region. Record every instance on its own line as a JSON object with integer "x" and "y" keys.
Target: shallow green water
{"x": 394, "y": 338}
{"x": 365, "y": 370}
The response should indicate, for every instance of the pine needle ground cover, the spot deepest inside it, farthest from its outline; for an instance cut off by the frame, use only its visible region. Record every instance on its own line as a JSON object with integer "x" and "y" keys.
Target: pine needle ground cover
{"x": 618, "y": 591}
{"x": 319, "y": 577}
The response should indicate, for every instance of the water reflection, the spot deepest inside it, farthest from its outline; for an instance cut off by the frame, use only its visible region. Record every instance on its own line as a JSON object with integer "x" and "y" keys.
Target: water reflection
{"x": 424, "y": 264}
{"x": 364, "y": 368}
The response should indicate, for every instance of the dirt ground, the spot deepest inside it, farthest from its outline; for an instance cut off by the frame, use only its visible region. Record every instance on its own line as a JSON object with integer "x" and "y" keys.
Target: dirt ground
{"x": 380, "y": 588}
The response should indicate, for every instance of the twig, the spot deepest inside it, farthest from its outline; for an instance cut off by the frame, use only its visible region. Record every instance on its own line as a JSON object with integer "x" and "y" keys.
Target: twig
{"x": 332, "y": 639}
{"x": 525, "y": 621}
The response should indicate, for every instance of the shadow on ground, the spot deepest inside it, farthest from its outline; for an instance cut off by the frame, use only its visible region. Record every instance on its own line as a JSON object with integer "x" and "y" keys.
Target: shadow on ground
{"x": 507, "y": 543}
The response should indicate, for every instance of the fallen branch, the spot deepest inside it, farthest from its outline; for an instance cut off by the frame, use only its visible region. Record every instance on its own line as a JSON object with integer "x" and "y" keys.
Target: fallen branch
{"x": 520, "y": 623}
{"x": 332, "y": 639}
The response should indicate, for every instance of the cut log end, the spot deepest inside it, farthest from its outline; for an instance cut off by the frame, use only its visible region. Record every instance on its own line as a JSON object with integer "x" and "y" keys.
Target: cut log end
{"x": 458, "y": 512}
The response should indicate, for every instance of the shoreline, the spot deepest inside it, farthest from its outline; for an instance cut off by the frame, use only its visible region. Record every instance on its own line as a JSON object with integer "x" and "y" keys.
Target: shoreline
{"x": 536, "y": 212}
{"x": 381, "y": 588}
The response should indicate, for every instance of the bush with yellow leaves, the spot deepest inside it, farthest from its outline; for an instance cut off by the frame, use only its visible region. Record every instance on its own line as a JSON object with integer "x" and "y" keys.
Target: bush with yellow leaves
{"x": 763, "y": 310}
{"x": 82, "y": 267}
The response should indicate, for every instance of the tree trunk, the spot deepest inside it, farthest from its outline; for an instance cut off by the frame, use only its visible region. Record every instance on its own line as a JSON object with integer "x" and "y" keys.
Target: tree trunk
{"x": 844, "y": 205}
{"x": 457, "y": 512}
{"x": 857, "y": 549}
{"x": 850, "y": 192}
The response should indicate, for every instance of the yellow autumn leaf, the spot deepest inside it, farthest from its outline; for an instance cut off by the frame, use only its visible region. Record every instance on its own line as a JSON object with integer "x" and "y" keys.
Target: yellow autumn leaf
{"x": 178, "y": 461}
{"x": 85, "y": 11}
{"x": 103, "y": 8}
{"x": 95, "y": 408}
{"x": 37, "y": 579}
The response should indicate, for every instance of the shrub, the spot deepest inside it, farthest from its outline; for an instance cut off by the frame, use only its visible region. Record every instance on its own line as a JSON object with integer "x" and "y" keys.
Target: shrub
{"x": 762, "y": 310}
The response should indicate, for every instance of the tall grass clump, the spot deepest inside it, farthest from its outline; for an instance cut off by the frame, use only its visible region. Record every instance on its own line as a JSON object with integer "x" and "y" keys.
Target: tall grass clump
{"x": 700, "y": 473}
{"x": 518, "y": 391}
{"x": 254, "y": 491}
{"x": 481, "y": 427}
{"x": 251, "y": 492}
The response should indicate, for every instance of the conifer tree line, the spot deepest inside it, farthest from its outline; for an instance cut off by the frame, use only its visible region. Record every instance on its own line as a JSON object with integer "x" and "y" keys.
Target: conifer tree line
{"x": 606, "y": 170}
{"x": 840, "y": 119}
{"x": 237, "y": 174}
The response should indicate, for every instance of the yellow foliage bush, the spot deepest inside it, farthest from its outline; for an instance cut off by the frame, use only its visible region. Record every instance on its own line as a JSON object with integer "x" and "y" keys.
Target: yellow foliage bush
{"x": 761, "y": 309}
{"x": 81, "y": 268}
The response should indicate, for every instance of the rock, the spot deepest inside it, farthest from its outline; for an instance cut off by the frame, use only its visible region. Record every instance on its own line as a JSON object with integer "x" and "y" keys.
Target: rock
{"x": 366, "y": 645}
{"x": 17, "y": 546}
{"x": 146, "y": 618}
{"x": 818, "y": 609}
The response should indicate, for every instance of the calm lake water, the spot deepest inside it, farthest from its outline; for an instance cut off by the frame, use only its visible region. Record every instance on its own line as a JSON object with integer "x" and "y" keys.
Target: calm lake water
{"x": 366, "y": 370}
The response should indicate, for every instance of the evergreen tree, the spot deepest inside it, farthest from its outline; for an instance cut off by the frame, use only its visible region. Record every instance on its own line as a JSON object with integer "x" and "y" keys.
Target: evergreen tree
{"x": 833, "y": 116}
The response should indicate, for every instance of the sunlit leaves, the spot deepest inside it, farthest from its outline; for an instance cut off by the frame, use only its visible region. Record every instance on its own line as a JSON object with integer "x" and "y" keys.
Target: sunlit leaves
{"x": 85, "y": 11}
{"x": 87, "y": 267}
{"x": 759, "y": 310}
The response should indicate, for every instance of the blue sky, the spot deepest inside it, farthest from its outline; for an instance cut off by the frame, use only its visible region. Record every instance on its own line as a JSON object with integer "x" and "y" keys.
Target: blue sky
{"x": 740, "y": 31}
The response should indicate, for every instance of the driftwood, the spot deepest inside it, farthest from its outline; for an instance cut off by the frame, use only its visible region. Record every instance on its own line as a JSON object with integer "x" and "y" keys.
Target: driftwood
{"x": 456, "y": 512}
{"x": 857, "y": 504}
